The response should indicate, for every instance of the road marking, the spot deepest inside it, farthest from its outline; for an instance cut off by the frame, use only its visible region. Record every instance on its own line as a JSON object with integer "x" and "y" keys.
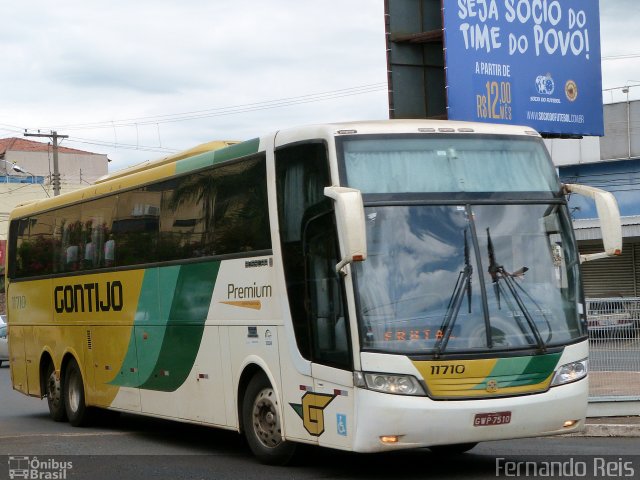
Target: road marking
{"x": 94, "y": 434}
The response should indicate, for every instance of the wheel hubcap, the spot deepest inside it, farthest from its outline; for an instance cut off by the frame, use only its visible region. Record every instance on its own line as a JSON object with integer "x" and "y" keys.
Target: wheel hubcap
{"x": 74, "y": 393}
{"x": 266, "y": 423}
{"x": 53, "y": 390}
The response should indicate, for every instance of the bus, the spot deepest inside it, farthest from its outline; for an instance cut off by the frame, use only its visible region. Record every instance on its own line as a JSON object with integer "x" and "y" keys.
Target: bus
{"x": 366, "y": 286}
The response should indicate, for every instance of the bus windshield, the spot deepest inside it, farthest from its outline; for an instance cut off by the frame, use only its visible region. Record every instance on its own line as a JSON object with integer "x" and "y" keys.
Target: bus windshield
{"x": 467, "y": 278}
{"x": 445, "y": 277}
{"x": 448, "y": 163}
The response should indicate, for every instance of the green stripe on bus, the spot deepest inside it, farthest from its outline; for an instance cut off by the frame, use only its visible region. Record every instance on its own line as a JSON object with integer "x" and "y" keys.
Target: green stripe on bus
{"x": 184, "y": 329}
{"x": 151, "y": 317}
{"x": 168, "y": 328}
{"x": 521, "y": 371}
{"x": 210, "y": 158}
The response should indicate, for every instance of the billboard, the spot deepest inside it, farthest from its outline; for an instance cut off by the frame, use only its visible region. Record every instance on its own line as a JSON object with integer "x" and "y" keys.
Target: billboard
{"x": 526, "y": 62}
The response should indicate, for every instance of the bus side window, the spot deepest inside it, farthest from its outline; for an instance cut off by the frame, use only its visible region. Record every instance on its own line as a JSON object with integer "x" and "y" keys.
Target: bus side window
{"x": 97, "y": 239}
{"x": 68, "y": 235}
{"x": 136, "y": 228}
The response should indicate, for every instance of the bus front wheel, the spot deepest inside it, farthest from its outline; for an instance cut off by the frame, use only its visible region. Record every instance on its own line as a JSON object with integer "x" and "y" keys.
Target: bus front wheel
{"x": 55, "y": 397}
{"x": 74, "y": 402}
{"x": 262, "y": 424}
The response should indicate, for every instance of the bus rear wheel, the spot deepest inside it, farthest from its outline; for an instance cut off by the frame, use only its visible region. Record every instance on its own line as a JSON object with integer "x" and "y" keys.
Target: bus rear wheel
{"x": 55, "y": 397}
{"x": 74, "y": 402}
{"x": 262, "y": 424}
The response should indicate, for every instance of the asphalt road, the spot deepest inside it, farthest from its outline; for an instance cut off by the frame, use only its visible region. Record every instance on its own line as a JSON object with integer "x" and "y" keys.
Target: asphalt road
{"x": 134, "y": 447}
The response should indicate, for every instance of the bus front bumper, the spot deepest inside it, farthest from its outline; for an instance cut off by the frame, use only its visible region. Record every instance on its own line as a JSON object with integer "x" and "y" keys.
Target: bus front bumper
{"x": 411, "y": 422}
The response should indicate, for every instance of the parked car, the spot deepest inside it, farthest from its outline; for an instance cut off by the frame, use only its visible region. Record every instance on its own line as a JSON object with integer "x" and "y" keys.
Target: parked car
{"x": 609, "y": 317}
{"x": 4, "y": 347}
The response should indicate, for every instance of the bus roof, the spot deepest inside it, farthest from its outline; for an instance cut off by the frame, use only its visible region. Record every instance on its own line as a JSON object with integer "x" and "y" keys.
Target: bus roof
{"x": 166, "y": 167}
{"x": 398, "y": 126}
{"x": 146, "y": 165}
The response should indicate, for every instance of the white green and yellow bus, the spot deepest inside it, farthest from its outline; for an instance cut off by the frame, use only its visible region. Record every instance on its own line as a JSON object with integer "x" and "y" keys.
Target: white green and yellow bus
{"x": 362, "y": 286}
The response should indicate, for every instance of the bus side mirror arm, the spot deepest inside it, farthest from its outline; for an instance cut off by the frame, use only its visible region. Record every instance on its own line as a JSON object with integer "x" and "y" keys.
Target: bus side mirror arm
{"x": 609, "y": 216}
{"x": 350, "y": 223}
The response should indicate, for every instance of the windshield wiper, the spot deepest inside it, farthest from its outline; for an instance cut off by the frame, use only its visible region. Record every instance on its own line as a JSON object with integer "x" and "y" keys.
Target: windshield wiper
{"x": 463, "y": 284}
{"x": 498, "y": 273}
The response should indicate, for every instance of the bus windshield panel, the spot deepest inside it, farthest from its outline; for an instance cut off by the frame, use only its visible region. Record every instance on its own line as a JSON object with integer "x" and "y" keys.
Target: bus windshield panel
{"x": 448, "y": 277}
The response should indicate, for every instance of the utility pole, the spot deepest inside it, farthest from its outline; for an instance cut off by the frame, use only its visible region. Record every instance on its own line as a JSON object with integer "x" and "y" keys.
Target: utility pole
{"x": 54, "y": 141}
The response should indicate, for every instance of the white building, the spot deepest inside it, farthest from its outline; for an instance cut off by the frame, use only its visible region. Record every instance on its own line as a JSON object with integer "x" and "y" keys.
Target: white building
{"x": 26, "y": 172}
{"x": 613, "y": 164}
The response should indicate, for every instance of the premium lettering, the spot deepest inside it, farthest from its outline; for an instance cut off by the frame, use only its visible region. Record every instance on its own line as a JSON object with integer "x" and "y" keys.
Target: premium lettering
{"x": 248, "y": 292}
{"x": 88, "y": 297}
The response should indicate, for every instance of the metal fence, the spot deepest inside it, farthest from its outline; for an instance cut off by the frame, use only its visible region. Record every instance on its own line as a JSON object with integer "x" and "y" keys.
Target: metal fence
{"x": 614, "y": 341}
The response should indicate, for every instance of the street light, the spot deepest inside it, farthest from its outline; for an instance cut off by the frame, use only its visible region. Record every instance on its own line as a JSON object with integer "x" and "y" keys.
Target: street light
{"x": 625, "y": 90}
{"x": 17, "y": 168}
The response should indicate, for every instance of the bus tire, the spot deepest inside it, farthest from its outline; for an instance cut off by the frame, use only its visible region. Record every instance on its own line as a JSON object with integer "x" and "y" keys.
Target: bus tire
{"x": 262, "y": 424}
{"x": 74, "y": 402}
{"x": 54, "y": 394}
{"x": 454, "y": 449}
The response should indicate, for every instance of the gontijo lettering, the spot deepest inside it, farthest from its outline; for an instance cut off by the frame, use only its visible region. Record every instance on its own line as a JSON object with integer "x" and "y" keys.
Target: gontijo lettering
{"x": 88, "y": 297}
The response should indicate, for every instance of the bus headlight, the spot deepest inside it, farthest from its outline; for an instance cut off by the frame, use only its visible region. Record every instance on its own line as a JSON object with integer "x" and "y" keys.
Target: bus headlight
{"x": 388, "y": 383}
{"x": 570, "y": 372}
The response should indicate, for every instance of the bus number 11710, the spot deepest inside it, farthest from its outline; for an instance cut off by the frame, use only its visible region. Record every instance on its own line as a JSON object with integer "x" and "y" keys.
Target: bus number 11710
{"x": 447, "y": 369}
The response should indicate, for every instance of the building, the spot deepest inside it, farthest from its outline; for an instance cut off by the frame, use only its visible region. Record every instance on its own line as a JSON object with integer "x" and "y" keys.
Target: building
{"x": 613, "y": 164}
{"x": 26, "y": 172}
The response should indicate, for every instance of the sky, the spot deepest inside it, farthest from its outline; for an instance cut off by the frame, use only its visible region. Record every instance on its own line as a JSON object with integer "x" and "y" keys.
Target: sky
{"x": 139, "y": 80}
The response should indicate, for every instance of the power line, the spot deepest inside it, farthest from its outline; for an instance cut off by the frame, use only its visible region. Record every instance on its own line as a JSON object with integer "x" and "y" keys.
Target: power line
{"x": 208, "y": 113}
{"x": 215, "y": 112}
{"x": 199, "y": 114}
{"x": 230, "y": 110}
{"x": 124, "y": 146}
{"x": 11, "y": 128}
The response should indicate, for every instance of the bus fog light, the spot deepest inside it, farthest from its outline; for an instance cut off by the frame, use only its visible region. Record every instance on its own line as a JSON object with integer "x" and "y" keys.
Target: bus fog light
{"x": 397, "y": 384}
{"x": 390, "y": 438}
{"x": 570, "y": 372}
{"x": 569, "y": 423}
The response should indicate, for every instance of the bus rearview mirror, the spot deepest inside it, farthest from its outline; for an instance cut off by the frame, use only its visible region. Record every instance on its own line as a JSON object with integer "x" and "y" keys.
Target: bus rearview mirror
{"x": 350, "y": 223}
{"x": 609, "y": 216}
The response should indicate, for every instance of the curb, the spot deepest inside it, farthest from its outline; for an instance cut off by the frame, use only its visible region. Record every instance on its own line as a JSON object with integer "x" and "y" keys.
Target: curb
{"x": 610, "y": 430}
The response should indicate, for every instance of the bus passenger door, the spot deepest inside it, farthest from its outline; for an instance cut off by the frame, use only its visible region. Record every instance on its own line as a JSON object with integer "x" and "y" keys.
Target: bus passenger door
{"x": 329, "y": 328}
{"x": 323, "y": 404}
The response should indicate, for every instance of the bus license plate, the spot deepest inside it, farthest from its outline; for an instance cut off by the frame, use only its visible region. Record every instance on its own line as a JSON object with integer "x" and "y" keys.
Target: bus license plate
{"x": 493, "y": 418}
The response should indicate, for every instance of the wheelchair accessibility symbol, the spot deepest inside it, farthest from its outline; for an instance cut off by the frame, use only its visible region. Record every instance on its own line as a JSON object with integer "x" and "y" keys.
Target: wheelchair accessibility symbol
{"x": 342, "y": 424}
